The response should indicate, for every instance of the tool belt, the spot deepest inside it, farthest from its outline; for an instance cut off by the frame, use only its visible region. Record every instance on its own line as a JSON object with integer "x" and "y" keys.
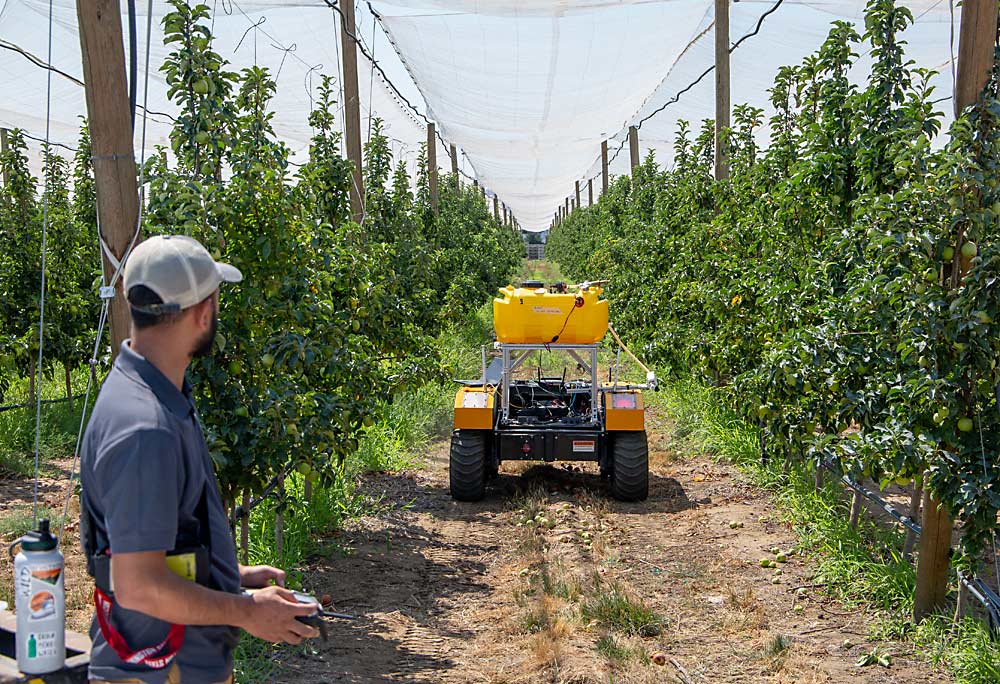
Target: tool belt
{"x": 190, "y": 559}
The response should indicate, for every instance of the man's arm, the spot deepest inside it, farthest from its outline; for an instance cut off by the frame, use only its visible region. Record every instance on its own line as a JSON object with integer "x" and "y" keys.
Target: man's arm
{"x": 143, "y": 583}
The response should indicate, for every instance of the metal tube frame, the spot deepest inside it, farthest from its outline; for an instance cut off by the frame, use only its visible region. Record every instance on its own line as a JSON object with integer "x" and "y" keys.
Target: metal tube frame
{"x": 508, "y": 352}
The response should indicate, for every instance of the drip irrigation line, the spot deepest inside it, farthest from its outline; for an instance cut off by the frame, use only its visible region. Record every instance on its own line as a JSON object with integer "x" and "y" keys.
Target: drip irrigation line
{"x": 28, "y": 404}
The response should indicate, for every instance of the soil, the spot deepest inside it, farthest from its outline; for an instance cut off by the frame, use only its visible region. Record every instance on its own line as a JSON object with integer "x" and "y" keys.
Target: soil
{"x": 453, "y": 592}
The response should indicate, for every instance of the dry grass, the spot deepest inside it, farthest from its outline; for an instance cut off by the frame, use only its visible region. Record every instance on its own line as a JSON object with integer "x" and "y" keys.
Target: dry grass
{"x": 744, "y": 611}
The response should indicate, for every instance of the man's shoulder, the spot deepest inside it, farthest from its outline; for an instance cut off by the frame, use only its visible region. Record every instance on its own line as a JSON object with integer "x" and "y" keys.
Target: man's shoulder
{"x": 127, "y": 407}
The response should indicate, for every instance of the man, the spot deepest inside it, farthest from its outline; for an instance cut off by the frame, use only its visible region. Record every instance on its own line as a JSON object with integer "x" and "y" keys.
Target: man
{"x": 169, "y": 600}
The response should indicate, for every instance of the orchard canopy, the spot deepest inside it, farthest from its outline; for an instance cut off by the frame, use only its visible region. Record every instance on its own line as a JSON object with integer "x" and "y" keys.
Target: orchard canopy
{"x": 526, "y": 89}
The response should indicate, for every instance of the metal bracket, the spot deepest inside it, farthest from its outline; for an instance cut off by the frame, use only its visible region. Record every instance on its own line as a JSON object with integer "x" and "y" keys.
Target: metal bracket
{"x": 107, "y": 292}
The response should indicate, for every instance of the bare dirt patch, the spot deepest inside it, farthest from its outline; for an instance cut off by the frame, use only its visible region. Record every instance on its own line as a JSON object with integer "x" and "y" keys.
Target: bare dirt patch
{"x": 550, "y": 580}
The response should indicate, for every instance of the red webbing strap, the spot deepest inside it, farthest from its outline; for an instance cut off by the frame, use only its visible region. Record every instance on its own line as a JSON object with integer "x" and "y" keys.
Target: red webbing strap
{"x": 146, "y": 656}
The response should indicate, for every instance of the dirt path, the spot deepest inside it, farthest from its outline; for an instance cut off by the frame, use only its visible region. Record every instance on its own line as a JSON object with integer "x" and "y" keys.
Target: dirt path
{"x": 454, "y": 593}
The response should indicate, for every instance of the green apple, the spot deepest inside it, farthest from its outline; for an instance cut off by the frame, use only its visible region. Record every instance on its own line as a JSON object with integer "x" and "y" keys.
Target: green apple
{"x": 970, "y": 249}
{"x": 965, "y": 424}
{"x": 949, "y": 253}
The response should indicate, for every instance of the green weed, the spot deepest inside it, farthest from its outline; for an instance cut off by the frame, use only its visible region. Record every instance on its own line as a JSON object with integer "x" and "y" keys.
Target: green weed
{"x": 613, "y": 608}
{"x": 615, "y": 651}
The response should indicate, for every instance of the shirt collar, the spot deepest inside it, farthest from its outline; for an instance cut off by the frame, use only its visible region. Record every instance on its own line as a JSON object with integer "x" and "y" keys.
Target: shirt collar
{"x": 136, "y": 366}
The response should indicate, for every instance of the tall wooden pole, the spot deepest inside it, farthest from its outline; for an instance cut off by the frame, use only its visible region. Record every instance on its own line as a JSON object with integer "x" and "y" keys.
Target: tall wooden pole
{"x": 722, "y": 103}
{"x": 566, "y": 210}
{"x": 3, "y": 152}
{"x": 577, "y": 184}
{"x": 975, "y": 59}
{"x": 432, "y": 166}
{"x": 454, "y": 166}
{"x": 604, "y": 166}
{"x": 352, "y": 109}
{"x": 496, "y": 208}
{"x": 590, "y": 192}
{"x": 633, "y": 146}
{"x": 110, "y": 123}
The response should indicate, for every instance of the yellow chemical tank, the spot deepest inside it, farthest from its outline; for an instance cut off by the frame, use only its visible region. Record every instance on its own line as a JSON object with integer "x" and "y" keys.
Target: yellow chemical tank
{"x": 536, "y": 316}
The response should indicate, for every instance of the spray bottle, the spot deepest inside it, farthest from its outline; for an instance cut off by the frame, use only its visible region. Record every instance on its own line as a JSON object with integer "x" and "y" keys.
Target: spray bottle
{"x": 40, "y": 602}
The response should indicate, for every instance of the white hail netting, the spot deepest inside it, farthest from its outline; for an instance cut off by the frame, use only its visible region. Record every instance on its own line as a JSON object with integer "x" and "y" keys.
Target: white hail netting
{"x": 297, "y": 42}
{"x": 527, "y": 89}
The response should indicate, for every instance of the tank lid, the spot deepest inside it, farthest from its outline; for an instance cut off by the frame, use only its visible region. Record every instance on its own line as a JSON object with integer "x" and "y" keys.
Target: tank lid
{"x": 532, "y": 284}
{"x": 40, "y": 539}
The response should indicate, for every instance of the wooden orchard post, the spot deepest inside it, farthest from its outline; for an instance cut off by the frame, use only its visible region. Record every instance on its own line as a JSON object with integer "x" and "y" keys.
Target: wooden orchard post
{"x": 110, "y": 122}
{"x": 975, "y": 59}
{"x": 475, "y": 184}
{"x": 496, "y": 208}
{"x": 590, "y": 192}
{"x": 577, "y": 184}
{"x": 454, "y": 166}
{"x": 432, "y": 166}
{"x": 352, "y": 109}
{"x": 566, "y": 207}
{"x": 604, "y": 166}
{"x": 722, "y": 103}
{"x": 633, "y": 146}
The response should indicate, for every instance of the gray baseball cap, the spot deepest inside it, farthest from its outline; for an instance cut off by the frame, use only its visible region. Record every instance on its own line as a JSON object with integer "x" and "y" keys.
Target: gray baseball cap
{"x": 178, "y": 269}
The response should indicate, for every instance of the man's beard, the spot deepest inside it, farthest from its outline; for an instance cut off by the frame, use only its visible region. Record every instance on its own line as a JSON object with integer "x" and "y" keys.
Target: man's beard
{"x": 204, "y": 346}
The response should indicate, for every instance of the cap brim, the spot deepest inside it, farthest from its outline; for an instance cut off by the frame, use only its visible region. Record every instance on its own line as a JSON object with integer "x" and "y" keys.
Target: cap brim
{"x": 229, "y": 274}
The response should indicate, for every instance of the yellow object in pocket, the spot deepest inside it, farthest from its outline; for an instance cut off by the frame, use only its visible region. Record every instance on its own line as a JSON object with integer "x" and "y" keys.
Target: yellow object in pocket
{"x": 184, "y": 565}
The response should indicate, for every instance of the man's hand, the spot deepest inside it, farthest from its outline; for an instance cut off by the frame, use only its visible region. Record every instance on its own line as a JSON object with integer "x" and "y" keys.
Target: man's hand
{"x": 259, "y": 576}
{"x": 271, "y": 616}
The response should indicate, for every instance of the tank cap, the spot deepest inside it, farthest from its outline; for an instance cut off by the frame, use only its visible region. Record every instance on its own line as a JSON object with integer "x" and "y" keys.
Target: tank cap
{"x": 39, "y": 540}
{"x": 532, "y": 284}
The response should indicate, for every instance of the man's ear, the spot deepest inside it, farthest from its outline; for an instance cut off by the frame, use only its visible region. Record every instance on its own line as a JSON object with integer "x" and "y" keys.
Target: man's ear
{"x": 204, "y": 313}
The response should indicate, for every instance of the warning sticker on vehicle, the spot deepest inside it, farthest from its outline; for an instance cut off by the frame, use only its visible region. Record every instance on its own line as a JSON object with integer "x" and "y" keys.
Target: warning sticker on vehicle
{"x": 584, "y": 446}
{"x": 546, "y": 310}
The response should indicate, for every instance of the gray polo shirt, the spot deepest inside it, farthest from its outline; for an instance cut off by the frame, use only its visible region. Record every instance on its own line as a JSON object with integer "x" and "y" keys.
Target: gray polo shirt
{"x": 144, "y": 465}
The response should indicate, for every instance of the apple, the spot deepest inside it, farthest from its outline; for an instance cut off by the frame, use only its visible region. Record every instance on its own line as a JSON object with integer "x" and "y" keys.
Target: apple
{"x": 235, "y": 367}
{"x": 242, "y": 411}
{"x": 201, "y": 137}
{"x": 949, "y": 253}
{"x": 969, "y": 250}
{"x": 304, "y": 468}
{"x": 267, "y": 360}
{"x": 200, "y": 86}
{"x": 965, "y": 424}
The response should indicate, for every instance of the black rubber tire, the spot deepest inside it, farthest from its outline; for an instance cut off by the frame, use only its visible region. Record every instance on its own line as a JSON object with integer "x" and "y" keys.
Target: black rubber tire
{"x": 467, "y": 465}
{"x": 630, "y": 466}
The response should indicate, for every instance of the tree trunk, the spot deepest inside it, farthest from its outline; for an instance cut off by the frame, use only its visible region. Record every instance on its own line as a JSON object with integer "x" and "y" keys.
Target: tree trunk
{"x": 31, "y": 380}
{"x": 279, "y": 524}
{"x": 307, "y": 491}
{"x": 915, "y": 495}
{"x": 819, "y": 478}
{"x": 245, "y": 529}
{"x": 856, "y": 505}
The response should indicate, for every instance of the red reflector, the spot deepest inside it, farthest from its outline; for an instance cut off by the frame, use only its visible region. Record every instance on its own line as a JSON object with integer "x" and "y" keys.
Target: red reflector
{"x": 526, "y": 448}
{"x": 623, "y": 401}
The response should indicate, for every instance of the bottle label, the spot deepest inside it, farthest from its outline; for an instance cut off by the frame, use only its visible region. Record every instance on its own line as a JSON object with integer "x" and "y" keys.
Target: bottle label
{"x": 43, "y": 645}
